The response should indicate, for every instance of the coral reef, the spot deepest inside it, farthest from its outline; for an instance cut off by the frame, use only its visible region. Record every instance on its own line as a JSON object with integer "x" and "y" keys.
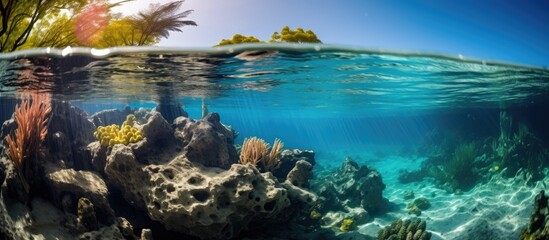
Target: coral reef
{"x": 538, "y": 228}
{"x": 408, "y": 229}
{"x": 181, "y": 179}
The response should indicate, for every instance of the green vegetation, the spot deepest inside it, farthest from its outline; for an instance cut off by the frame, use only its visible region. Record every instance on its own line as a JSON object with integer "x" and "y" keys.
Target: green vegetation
{"x": 294, "y": 36}
{"x": 42, "y": 23}
{"x": 286, "y": 35}
{"x": 460, "y": 167}
{"x": 237, "y": 39}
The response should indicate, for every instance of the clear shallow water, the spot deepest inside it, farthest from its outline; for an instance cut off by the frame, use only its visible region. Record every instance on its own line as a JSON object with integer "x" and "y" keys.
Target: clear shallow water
{"x": 377, "y": 107}
{"x": 302, "y": 93}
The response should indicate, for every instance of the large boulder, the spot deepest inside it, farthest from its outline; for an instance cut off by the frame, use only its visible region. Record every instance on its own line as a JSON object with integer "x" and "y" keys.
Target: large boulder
{"x": 209, "y": 203}
{"x": 207, "y": 141}
{"x": 110, "y": 116}
{"x": 352, "y": 186}
{"x": 69, "y": 132}
{"x": 289, "y": 158}
{"x": 67, "y": 186}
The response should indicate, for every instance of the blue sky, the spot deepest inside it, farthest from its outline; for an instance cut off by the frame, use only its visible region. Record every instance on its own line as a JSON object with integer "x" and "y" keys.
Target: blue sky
{"x": 508, "y": 31}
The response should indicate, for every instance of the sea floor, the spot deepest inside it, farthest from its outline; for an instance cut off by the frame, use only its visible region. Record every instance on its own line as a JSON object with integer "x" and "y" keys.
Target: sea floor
{"x": 497, "y": 209}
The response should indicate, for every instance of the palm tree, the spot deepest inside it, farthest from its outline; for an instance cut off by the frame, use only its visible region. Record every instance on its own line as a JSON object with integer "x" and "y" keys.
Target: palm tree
{"x": 160, "y": 19}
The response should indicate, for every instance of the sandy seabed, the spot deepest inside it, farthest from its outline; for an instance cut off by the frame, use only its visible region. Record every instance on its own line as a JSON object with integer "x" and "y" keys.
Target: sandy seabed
{"x": 497, "y": 209}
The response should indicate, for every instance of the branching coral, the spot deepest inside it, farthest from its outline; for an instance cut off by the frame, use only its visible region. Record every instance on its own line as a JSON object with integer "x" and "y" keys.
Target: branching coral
{"x": 27, "y": 143}
{"x": 255, "y": 150}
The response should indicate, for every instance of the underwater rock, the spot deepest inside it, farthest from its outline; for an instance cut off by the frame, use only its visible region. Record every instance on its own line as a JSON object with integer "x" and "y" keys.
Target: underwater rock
{"x": 69, "y": 132}
{"x": 169, "y": 110}
{"x": 418, "y": 205}
{"x": 288, "y": 160}
{"x": 335, "y": 219}
{"x": 111, "y": 232}
{"x": 300, "y": 174}
{"x": 200, "y": 201}
{"x": 146, "y": 234}
{"x": 207, "y": 141}
{"x": 408, "y": 229}
{"x": 68, "y": 185}
{"x": 110, "y": 116}
{"x": 538, "y": 228}
{"x": 353, "y": 186}
{"x": 158, "y": 131}
{"x": 408, "y": 194}
{"x": 12, "y": 185}
{"x": 98, "y": 156}
{"x": 87, "y": 220}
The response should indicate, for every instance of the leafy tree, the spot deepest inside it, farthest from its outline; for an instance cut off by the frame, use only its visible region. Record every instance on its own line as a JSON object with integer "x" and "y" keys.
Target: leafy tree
{"x": 54, "y": 32}
{"x": 19, "y": 17}
{"x": 158, "y": 21}
{"x": 238, "y": 38}
{"x": 294, "y": 36}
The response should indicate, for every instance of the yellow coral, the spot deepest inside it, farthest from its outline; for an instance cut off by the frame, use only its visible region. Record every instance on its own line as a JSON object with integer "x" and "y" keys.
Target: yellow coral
{"x": 108, "y": 136}
{"x": 347, "y": 225}
{"x": 315, "y": 214}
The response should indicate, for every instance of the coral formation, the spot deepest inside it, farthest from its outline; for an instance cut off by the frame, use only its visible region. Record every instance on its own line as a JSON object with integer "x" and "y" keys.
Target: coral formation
{"x": 27, "y": 145}
{"x": 408, "y": 229}
{"x": 418, "y": 205}
{"x": 347, "y": 225}
{"x": 125, "y": 134}
{"x": 255, "y": 151}
{"x": 538, "y": 229}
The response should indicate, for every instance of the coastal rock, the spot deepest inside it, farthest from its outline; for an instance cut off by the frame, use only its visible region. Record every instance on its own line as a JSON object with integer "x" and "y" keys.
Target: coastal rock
{"x": 192, "y": 199}
{"x": 288, "y": 160}
{"x": 207, "y": 141}
{"x": 67, "y": 186}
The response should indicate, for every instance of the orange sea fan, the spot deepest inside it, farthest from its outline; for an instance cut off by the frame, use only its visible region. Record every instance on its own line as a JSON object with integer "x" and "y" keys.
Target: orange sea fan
{"x": 32, "y": 127}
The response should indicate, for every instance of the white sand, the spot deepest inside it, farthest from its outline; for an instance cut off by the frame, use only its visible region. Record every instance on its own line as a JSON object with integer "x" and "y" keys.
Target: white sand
{"x": 498, "y": 209}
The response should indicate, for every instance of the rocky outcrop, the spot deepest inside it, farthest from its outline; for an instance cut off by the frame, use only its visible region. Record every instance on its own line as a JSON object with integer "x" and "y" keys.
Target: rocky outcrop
{"x": 67, "y": 186}
{"x": 538, "y": 228}
{"x": 110, "y": 116}
{"x": 207, "y": 141}
{"x": 288, "y": 160}
{"x": 352, "y": 186}
{"x": 192, "y": 199}
{"x": 69, "y": 133}
{"x": 300, "y": 175}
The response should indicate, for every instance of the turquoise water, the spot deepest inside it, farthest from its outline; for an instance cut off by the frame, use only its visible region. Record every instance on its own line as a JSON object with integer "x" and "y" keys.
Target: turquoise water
{"x": 313, "y": 96}
{"x": 393, "y": 111}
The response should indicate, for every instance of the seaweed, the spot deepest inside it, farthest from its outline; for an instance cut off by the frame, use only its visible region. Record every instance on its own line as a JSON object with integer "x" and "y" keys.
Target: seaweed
{"x": 460, "y": 168}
